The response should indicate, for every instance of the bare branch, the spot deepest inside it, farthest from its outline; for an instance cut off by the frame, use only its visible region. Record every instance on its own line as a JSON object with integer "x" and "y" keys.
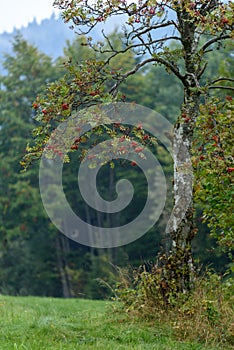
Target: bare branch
{"x": 131, "y": 72}
{"x": 221, "y": 87}
{"x": 134, "y": 46}
{"x": 142, "y": 64}
{"x": 222, "y": 79}
{"x": 202, "y": 71}
{"x": 153, "y": 27}
{"x": 208, "y": 6}
{"x": 215, "y": 40}
{"x": 211, "y": 86}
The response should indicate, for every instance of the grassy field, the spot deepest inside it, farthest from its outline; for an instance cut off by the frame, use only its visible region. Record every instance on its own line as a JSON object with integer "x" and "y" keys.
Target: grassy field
{"x": 46, "y": 323}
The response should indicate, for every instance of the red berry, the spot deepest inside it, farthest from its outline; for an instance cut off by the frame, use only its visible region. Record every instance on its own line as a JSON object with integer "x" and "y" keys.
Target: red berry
{"x": 224, "y": 20}
{"x": 44, "y": 111}
{"x": 93, "y": 93}
{"x": 215, "y": 138}
{"x": 35, "y": 105}
{"x": 134, "y": 143}
{"x": 133, "y": 163}
{"x": 65, "y": 106}
{"x": 91, "y": 156}
{"x": 23, "y": 227}
{"x": 74, "y": 147}
{"x": 122, "y": 149}
{"x": 138, "y": 149}
{"x": 230, "y": 170}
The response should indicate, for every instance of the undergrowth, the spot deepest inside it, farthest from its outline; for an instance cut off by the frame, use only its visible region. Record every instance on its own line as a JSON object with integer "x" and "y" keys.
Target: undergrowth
{"x": 205, "y": 314}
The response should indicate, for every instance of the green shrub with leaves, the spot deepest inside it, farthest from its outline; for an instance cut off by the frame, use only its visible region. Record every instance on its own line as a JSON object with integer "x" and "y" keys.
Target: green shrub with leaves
{"x": 214, "y": 168}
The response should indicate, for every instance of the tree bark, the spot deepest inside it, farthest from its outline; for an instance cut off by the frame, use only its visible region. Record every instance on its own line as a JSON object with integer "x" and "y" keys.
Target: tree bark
{"x": 181, "y": 224}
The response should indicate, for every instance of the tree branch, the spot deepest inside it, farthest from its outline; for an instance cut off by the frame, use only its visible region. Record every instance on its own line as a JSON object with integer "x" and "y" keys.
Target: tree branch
{"x": 221, "y": 87}
{"x": 215, "y": 40}
{"x": 146, "y": 45}
{"x": 131, "y": 72}
{"x": 222, "y": 79}
{"x": 202, "y": 71}
{"x": 142, "y": 64}
{"x": 153, "y": 27}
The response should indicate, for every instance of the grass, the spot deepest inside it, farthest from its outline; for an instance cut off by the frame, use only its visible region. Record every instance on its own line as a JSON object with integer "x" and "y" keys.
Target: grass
{"x": 33, "y": 323}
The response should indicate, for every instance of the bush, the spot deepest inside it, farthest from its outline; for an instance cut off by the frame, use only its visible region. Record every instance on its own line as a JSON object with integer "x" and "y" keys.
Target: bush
{"x": 205, "y": 314}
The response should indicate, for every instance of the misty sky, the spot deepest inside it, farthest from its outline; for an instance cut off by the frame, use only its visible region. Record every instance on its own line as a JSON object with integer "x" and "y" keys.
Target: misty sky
{"x": 17, "y": 13}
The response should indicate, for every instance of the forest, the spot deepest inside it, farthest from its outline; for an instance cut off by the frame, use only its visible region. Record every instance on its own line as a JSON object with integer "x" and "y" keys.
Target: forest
{"x": 35, "y": 258}
{"x": 116, "y": 163}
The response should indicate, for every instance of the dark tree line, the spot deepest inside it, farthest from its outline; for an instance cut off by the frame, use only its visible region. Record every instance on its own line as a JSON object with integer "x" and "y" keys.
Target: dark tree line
{"x": 34, "y": 258}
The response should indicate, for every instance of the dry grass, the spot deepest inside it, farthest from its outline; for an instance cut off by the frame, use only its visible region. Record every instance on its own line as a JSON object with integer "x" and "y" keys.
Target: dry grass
{"x": 205, "y": 315}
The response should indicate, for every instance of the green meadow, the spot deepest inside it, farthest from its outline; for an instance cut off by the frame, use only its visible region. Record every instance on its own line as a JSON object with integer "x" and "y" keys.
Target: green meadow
{"x": 35, "y": 323}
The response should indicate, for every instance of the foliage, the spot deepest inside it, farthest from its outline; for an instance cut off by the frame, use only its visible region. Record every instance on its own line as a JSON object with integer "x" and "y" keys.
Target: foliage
{"x": 97, "y": 78}
{"x": 26, "y": 239}
{"x": 214, "y": 167}
{"x": 194, "y": 30}
{"x": 28, "y": 242}
{"x": 85, "y": 83}
{"x": 205, "y": 314}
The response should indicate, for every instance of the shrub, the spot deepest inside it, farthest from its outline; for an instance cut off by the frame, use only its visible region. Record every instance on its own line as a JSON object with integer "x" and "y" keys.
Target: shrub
{"x": 205, "y": 314}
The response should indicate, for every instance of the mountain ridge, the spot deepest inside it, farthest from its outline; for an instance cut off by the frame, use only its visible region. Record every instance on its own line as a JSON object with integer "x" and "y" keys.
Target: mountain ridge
{"x": 49, "y": 36}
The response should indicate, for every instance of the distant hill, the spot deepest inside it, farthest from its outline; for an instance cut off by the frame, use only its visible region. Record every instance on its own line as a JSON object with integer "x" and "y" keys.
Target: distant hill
{"x": 49, "y": 36}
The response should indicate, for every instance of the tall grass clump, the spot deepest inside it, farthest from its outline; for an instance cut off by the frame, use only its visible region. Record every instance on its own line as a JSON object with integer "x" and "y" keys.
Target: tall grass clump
{"x": 205, "y": 314}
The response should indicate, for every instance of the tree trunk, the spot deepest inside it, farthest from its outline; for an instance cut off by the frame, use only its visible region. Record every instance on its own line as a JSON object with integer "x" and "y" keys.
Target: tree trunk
{"x": 181, "y": 225}
{"x": 61, "y": 250}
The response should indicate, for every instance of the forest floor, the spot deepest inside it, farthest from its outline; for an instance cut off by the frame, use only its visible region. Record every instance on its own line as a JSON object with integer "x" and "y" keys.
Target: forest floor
{"x": 33, "y": 323}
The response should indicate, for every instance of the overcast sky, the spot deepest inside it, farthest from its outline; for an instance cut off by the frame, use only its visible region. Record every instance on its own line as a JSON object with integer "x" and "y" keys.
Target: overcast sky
{"x": 17, "y": 13}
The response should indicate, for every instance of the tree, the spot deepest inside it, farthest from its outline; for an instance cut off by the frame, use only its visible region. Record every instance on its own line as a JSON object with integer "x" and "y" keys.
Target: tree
{"x": 178, "y": 35}
{"x": 26, "y": 241}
